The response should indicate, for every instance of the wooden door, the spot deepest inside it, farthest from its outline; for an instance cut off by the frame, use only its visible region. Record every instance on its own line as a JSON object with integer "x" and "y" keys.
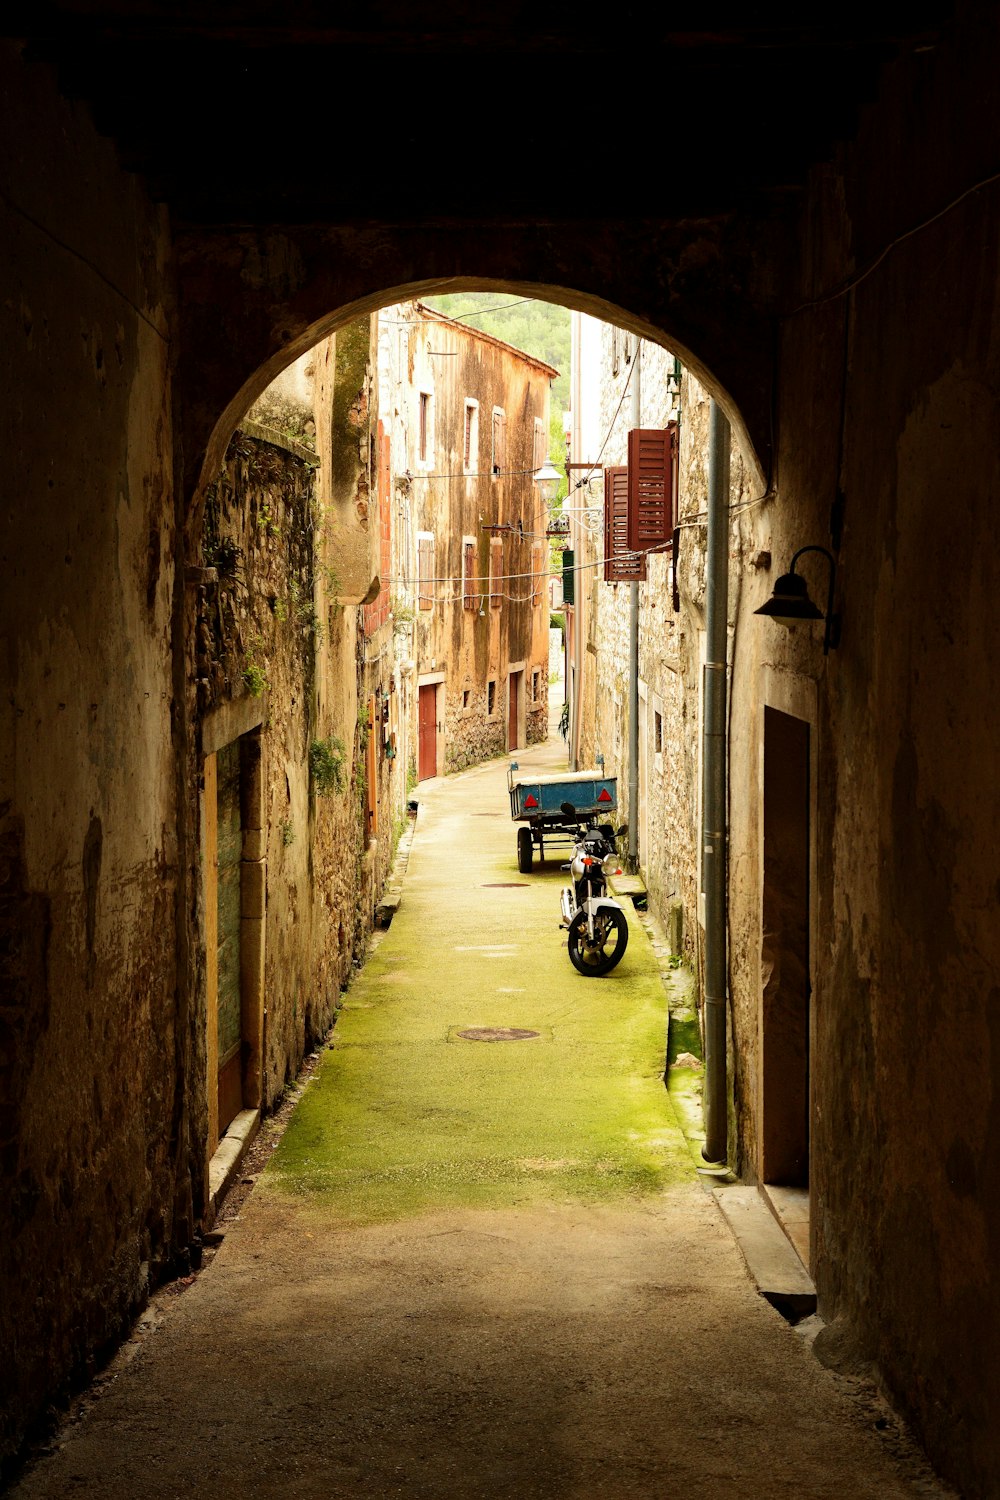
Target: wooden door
{"x": 428, "y": 732}
{"x": 785, "y": 952}
{"x": 230, "y": 855}
{"x": 514, "y": 679}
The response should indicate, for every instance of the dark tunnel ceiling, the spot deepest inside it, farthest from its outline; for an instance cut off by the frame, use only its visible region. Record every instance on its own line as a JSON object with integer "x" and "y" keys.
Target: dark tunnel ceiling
{"x": 266, "y": 113}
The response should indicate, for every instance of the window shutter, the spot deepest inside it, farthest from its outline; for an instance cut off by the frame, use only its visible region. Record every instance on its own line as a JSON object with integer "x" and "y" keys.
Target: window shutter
{"x": 496, "y": 570}
{"x": 377, "y": 613}
{"x": 499, "y": 442}
{"x": 425, "y": 572}
{"x": 537, "y": 570}
{"x": 469, "y": 569}
{"x": 620, "y": 563}
{"x": 568, "y": 576}
{"x": 540, "y": 451}
{"x": 651, "y": 486}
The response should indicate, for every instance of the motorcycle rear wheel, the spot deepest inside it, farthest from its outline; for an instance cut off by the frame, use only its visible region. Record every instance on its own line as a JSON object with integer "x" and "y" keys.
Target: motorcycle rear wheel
{"x": 597, "y": 956}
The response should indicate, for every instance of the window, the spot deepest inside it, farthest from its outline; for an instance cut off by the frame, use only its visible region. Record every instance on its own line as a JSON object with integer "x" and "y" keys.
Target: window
{"x": 425, "y": 436}
{"x": 499, "y": 458}
{"x": 616, "y": 359}
{"x": 470, "y": 591}
{"x": 496, "y": 571}
{"x": 540, "y": 449}
{"x": 425, "y": 569}
{"x": 657, "y": 733}
{"x": 470, "y": 440}
{"x": 491, "y": 697}
{"x": 536, "y": 683}
{"x": 466, "y": 698}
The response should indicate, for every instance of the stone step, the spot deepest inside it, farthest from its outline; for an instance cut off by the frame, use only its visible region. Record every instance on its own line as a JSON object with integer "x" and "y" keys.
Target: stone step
{"x": 780, "y": 1276}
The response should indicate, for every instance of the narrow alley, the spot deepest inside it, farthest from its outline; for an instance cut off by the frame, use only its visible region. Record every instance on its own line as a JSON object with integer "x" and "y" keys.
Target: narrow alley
{"x": 478, "y": 1268}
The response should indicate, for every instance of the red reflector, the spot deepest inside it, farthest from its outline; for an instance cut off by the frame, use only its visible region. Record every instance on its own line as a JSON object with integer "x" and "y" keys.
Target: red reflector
{"x": 605, "y": 795}
{"x": 530, "y": 801}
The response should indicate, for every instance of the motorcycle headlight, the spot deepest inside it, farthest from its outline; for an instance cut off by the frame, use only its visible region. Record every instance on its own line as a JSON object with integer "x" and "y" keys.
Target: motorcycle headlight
{"x": 610, "y": 864}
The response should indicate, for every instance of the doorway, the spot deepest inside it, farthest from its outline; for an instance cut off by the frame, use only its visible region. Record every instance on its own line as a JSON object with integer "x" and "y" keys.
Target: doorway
{"x": 515, "y": 680}
{"x": 230, "y": 859}
{"x": 427, "y": 720}
{"x": 785, "y": 959}
{"x": 642, "y": 811}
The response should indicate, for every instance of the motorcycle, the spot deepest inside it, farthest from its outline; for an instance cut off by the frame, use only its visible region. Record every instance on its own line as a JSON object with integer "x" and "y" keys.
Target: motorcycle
{"x": 597, "y": 926}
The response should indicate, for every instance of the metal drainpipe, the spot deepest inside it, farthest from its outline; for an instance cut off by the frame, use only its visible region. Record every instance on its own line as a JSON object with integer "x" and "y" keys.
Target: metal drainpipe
{"x": 714, "y": 751}
{"x": 574, "y": 631}
{"x": 632, "y": 860}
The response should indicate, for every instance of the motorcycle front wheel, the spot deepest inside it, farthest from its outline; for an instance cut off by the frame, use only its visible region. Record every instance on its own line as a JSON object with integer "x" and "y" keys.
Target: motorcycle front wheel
{"x": 597, "y": 955}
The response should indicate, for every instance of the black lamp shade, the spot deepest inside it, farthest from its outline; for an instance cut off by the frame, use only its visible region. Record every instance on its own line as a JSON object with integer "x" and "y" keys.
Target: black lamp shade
{"x": 790, "y": 603}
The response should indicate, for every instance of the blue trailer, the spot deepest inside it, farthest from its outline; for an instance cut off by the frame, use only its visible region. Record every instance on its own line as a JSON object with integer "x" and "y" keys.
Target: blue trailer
{"x": 536, "y": 802}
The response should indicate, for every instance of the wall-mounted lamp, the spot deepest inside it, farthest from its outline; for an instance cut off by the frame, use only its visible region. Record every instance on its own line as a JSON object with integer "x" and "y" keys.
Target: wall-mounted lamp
{"x": 790, "y": 603}
{"x": 547, "y": 478}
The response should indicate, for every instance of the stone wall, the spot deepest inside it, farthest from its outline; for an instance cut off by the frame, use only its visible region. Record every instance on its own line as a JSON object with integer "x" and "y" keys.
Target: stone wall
{"x": 890, "y": 396}
{"x": 96, "y": 1038}
{"x": 669, "y": 641}
{"x": 260, "y": 617}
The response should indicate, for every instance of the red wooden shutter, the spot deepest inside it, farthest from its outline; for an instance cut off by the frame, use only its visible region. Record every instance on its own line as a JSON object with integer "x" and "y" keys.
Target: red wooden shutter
{"x": 620, "y": 565}
{"x": 651, "y": 487}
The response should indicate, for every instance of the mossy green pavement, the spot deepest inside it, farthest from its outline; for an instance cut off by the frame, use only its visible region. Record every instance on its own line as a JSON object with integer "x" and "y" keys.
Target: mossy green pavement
{"x": 407, "y": 1116}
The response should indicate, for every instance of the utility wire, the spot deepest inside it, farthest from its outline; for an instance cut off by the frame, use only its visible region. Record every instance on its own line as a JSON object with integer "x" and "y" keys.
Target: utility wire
{"x": 852, "y": 281}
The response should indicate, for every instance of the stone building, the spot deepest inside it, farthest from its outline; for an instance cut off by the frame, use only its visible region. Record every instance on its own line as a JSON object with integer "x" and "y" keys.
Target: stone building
{"x": 824, "y": 265}
{"x": 619, "y": 383}
{"x": 470, "y": 421}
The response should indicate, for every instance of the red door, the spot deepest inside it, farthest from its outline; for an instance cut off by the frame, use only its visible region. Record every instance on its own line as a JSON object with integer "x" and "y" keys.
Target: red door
{"x": 514, "y": 680}
{"x": 428, "y": 732}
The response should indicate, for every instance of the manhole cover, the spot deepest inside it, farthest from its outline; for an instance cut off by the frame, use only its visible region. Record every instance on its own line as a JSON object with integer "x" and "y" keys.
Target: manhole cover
{"x": 497, "y": 1034}
{"x": 503, "y": 885}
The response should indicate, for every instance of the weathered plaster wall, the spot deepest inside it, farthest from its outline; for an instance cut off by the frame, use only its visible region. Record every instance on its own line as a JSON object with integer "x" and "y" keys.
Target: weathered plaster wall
{"x": 95, "y": 1140}
{"x": 353, "y": 858}
{"x": 889, "y": 394}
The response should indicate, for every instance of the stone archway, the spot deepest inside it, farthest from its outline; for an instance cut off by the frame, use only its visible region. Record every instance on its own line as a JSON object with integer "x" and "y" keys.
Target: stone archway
{"x": 251, "y": 302}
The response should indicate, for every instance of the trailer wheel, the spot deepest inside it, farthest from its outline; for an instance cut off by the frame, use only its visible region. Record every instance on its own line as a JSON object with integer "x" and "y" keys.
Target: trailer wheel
{"x": 524, "y": 850}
